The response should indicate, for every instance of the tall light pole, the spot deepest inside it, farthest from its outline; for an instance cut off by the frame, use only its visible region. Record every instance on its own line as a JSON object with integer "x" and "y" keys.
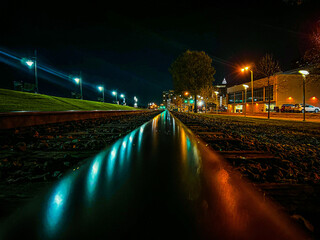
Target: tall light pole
{"x": 78, "y": 80}
{"x": 114, "y": 93}
{"x": 101, "y": 89}
{"x": 30, "y": 63}
{"x": 135, "y": 101}
{"x": 304, "y": 73}
{"x": 123, "y": 96}
{"x": 245, "y": 99}
{"x": 216, "y": 92}
{"x": 246, "y": 69}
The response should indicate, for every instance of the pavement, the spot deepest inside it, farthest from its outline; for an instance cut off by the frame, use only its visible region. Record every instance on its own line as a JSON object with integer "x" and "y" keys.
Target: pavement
{"x": 298, "y": 117}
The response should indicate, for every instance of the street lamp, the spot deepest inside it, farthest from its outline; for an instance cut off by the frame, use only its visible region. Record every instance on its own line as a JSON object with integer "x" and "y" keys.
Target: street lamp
{"x": 245, "y": 99}
{"x": 78, "y": 80}
{"x": 304, "y": 73}
{"x": 124, "y": 100}
{"x": 246, "y": 69}
{"x": 114, "y": 93}
{"x": 30, "y": 63}
{"x": 216, "y": 92}
{"x": 135, "y": 101}
{"x": 101, "y": 89}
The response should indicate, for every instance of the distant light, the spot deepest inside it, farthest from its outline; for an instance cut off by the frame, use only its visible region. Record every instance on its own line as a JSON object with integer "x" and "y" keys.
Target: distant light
{"x": 245, "y": 86}
{"x": 246, "y": 68}
{"x": 257, "y": 104}
{"x": 290, "y": 98}
{"x": 314, "y": 98}
{"x": 216, "y": 92}
{"x": 304, "y": 72}
{"x": 191, "y": 101}
{"x": 186, "y": 93}
{"x": 100, "y": 88}
{"x": 185, "y": 101}
{"x": 242, "y": 70}
{"x": 29, "y": 63}
{"x": 77, "y": 80}
{"x": 114, "y": 93}
{"x": 200, "y": 103}
{"x": 122, "y": 95}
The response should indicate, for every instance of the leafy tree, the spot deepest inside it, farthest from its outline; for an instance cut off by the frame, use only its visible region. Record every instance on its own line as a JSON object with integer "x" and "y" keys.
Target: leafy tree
{"x": 206, "y": 92}
{"x": 192, "y": 71}
{"x": 267, "y": 67}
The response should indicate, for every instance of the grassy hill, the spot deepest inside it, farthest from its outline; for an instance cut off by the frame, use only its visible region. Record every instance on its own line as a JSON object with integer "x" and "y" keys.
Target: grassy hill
{"x": 21, "y": 101}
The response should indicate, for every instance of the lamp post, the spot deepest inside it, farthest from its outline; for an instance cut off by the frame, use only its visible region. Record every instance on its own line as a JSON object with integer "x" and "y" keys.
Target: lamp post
{"x": 135, "y": 101}
{"x": 114, "y": 93}
{"x": 216, "y": 92}
{"x": 245, "y": 99}
{"x": 30, "y": 63}
{"x": 304, "y": 73}
{"x": 251, "y": 73}
{"x": 101, "y": 89}
{"x": 78, "y": 80}
{"x": 124, "y": 100}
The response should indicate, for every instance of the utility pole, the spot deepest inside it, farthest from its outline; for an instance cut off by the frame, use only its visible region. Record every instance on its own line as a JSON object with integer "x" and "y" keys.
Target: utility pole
{"x": 36, "y": 72}
{"x": 80, "y": 83}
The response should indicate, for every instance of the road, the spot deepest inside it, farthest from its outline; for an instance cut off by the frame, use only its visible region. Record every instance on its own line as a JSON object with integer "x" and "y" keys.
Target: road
{"x": 157, "y": 182}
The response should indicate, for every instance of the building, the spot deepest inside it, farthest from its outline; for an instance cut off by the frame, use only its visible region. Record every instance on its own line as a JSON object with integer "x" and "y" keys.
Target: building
{"x": 167, "y": 98}
{"x": 285, "y": 88}
{"x": 222, "y": 95}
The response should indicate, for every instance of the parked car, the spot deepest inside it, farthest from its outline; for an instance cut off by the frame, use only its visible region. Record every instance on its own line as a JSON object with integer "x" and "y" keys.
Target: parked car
{"x": 287, "y": 108}
{"x": 309, "y": 108}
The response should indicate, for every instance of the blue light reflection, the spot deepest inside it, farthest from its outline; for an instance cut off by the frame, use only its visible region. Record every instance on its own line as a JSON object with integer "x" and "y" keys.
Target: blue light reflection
{"x": 57, "y": 206}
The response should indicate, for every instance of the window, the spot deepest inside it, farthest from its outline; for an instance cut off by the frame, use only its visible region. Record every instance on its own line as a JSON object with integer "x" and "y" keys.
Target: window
{"x": 267, "y": 92}
{"x": 258, "y": 94}
{"x": 230, "y": 98}
{"x": 238, "y": 97}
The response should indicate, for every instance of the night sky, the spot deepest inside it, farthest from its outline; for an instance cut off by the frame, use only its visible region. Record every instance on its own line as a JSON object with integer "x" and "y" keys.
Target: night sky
{"x": 129, "y": 46}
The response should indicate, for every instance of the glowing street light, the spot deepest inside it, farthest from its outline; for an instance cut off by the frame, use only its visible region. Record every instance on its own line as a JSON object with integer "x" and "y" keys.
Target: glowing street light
{"x": 78, "y": 80}
{"x": 135, "y": 101}
{"x": 101, "y": 89}
{"x": 124, "y": 100}
{"x": 114, "y": 93}
{"x": 186, "y": 93}
{"x": 246, "y": 69}
{"x": 245, "y": 99}
{"x": 31, "y": 63}
{"x": 304, "y": 73}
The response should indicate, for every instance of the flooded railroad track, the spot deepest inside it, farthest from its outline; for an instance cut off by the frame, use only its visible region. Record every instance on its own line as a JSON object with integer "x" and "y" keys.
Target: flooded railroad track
{"x": 269, "y": 172}
{"x": 31, "y": 158}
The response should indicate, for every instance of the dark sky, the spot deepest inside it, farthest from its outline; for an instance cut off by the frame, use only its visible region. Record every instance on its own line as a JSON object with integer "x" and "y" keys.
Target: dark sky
{"x": 129, "y": 46}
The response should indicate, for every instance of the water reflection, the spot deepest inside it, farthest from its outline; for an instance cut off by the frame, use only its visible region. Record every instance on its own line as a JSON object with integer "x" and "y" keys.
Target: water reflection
{"x": 157, "y": 175}
{"x": 56, "y": 206}
{"x": 93, "y": 175}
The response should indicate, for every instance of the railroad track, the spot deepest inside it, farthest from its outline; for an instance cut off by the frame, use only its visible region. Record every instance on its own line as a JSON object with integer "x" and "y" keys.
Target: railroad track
{"x": 31, "y": 158}
{"x": 264, "y": 169}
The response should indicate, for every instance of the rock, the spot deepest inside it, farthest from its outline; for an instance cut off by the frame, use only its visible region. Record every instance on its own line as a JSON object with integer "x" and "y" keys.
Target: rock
{"x": 22, "y": 146}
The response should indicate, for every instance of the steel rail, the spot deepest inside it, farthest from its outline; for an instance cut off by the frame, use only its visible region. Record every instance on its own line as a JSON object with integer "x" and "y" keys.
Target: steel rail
{"x": 158, "y": 182}
{"x": 30, "y": 118}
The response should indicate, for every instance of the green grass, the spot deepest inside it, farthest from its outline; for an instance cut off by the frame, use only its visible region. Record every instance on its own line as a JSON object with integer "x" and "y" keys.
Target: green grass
{"x": 20, "y": 101}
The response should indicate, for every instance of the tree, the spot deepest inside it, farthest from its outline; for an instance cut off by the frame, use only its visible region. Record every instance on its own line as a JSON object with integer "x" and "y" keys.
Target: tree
{"x": 267, "y": 67}
{"x": 191, "y": 71}
{"x": 206, "y": 92}
{"x": 312, "y": 55}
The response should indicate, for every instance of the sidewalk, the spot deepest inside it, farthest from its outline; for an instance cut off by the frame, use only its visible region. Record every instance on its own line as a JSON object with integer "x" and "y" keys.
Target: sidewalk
{"x": 298, "y": 117}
